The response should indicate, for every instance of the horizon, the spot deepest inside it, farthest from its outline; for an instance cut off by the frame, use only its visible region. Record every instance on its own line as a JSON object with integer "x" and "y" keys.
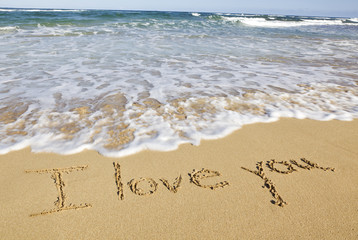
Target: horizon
{"x": 183, "y": 11}
{"x": 324, "y": 8}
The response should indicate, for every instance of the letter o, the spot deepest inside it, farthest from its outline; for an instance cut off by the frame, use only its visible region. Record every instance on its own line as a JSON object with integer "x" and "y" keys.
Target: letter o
{"x": 133, "y": 185}
{"x": 289, "y": 166}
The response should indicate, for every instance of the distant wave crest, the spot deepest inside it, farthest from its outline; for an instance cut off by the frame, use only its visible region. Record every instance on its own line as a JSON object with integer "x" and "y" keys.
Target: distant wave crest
{"x": 277, "y": 22}
{"x": 39, "y": 10}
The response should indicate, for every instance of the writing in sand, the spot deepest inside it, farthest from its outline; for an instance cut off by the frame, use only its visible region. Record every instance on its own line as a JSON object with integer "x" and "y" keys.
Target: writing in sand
{"x": 148, "y": 186}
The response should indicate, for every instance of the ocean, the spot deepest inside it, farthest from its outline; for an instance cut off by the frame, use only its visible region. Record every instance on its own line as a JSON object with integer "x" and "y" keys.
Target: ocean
{"x": 120, "y": 82}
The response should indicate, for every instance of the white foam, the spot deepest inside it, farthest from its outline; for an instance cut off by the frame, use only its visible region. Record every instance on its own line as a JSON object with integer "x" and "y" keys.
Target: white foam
{"x": 265, "y": 77}
{"x": 315, "y": 104}
{"x": 8, "y": 29}
{"x": 41, "y": 10}
{"x": 195, "y": 14}
{"x": 353, "y": 20}
{"x": 262, "y": 22}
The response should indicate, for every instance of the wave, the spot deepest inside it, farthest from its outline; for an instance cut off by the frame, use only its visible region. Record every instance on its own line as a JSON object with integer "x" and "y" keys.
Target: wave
{"x": 9, "y": 28}
{"x": 154, "y": 80}
{"x": 351, "y": 20}
{"x": 40, "y": 10}
{"x": 274, "y": 22}
{"x": 116, "y": 126}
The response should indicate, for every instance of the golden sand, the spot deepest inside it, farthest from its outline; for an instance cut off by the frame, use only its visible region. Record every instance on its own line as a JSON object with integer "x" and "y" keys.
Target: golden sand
{"x": 291, "y": 179}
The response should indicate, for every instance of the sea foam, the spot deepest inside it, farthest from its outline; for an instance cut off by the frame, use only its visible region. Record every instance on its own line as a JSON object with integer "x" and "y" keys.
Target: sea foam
{"x": 120, "y": 82}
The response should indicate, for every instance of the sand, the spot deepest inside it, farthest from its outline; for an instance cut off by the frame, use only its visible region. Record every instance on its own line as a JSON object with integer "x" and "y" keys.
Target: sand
{"x": 195, "y": 192}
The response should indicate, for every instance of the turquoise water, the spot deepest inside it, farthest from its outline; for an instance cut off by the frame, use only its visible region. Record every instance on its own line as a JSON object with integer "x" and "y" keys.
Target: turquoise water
{"x": 123, "y": 81}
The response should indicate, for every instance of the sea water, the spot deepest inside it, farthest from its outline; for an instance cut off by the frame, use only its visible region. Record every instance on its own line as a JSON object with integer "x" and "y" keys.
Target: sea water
{"x": 123, "y": 81}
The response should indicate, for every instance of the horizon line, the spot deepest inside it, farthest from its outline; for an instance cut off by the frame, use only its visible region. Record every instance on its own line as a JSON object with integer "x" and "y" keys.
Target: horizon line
{"x": 179, "y": 11}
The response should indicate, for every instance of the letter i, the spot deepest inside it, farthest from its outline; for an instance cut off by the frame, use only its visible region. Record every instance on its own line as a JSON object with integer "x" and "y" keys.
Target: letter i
{"x": 117, "y": 176}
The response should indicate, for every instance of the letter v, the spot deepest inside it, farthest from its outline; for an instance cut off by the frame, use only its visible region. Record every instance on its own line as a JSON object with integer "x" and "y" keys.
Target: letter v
{"x": 176, "y": 185}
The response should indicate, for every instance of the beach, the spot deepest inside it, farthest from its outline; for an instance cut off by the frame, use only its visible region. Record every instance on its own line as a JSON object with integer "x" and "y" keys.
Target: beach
{"x": 209, "y": 192}
{"x": 118, "y": 124}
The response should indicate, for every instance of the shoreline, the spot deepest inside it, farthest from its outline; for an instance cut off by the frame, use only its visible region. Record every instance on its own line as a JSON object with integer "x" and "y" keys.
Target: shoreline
{"x": 167, "y": 194}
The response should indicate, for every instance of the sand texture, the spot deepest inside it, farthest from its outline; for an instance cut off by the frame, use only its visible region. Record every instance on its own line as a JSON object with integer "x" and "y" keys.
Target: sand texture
{"x": 291, "y": 179}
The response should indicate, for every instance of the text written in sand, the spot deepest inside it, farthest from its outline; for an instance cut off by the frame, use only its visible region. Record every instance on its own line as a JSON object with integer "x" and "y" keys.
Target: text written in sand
{"x": 290, "y": 169}
{"x": 148, "y": 186}
{"x": 57, "y": 175}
